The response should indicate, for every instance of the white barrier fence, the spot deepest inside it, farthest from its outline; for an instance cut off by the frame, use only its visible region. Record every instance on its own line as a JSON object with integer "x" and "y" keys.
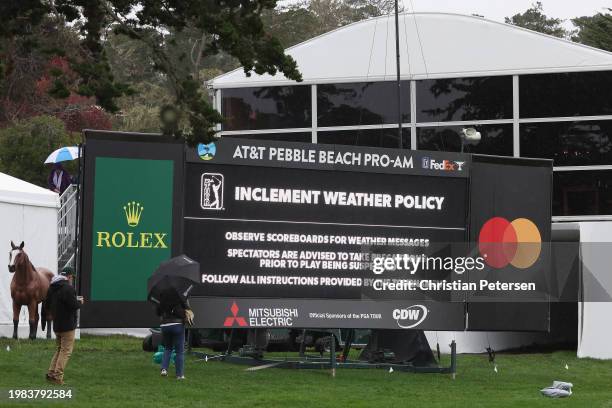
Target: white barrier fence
{"x": 66, "y": 226}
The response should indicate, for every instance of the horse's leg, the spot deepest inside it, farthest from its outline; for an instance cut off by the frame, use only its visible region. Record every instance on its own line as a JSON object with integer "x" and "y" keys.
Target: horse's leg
{"x": 16, "y": 310}
{"x": 49, "y": 322}
{"x": 33, "y": 314}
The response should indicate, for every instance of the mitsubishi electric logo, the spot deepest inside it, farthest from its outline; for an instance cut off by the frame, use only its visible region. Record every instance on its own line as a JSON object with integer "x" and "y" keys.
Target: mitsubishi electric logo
{"x": 130, "y": 239}
{"x": 443, "y": 165}
{"x": 263, "y": 316}
{"x": 234, "y": 318}
{"x": 211, "y": 197}
{"x": 410, "y": 317}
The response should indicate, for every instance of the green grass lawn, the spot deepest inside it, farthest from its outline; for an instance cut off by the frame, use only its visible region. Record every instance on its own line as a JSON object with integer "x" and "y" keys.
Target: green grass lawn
{"x": 114, "y": 372}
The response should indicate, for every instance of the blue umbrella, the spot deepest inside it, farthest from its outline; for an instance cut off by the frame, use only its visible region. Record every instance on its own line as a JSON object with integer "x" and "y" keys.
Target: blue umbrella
{"x": 63, "y": 154}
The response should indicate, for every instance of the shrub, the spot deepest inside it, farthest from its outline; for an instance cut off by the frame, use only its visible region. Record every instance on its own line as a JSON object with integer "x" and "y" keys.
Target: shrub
{"x": 25, "y": 145}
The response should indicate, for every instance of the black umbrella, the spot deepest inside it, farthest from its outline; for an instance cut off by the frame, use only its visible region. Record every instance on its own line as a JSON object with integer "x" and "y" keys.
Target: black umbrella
{"x": 180, "y": 274}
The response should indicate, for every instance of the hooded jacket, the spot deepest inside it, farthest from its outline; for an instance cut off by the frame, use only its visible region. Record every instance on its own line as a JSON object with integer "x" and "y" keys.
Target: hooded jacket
{"x": 62, "y": 304}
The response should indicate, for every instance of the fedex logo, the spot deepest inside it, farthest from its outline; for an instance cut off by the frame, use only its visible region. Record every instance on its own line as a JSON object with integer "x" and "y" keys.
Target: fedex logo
{"x": 444, "y": 165}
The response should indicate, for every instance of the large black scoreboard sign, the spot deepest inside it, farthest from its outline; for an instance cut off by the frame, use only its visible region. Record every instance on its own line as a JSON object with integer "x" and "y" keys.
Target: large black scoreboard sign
{"x": 316, "y": 236}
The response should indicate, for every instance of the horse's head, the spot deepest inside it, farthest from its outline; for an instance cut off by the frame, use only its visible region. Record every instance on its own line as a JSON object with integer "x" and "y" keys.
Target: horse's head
{"x": 14, "y": 253}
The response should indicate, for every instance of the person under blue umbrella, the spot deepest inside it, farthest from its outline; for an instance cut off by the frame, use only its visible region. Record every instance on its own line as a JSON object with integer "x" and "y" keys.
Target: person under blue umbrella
{"x": 59, "y": 179}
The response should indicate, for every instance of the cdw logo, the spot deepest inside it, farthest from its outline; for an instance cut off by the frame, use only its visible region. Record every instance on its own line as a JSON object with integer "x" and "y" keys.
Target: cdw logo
{"x": 410, "y": 317}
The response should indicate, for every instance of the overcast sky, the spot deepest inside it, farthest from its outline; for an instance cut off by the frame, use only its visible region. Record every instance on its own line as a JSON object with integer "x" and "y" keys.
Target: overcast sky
{"x": 498, "y": 9}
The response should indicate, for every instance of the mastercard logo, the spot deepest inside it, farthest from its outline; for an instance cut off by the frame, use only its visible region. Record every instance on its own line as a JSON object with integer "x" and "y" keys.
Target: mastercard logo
{"x": 517, "y": 243}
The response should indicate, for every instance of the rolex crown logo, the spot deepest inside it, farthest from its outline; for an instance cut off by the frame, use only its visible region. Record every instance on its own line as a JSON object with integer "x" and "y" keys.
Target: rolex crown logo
{"x": 133, "y": 211}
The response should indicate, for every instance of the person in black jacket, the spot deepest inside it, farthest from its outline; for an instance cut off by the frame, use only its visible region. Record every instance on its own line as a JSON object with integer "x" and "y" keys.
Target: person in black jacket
{"x": 172, "y": 309}
{"x": 62, "y": 304}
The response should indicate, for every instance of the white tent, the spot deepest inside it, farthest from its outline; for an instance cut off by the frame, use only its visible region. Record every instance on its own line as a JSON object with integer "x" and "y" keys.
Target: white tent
{"x": 595, "y": 324}
{"x": 27, "y": 213}
{"x": 432, "y": 45}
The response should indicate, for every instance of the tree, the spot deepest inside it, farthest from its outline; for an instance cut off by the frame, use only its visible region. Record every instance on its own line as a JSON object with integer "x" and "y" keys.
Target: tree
{"x": 139, "y": 112}
{"x": 289, "y": 24}
{"x": 232, "y": 26}
{"x": 25, "y": 145}
{"x": 292, "y": 24}
{"x": 595, "y": 31}
{"x": 535, "y": 19}
{"x": 34, "y": 81}
{"x": 30, "y": 72}
{"x": 333, "y": 14}
{"x": 303, "y": 20}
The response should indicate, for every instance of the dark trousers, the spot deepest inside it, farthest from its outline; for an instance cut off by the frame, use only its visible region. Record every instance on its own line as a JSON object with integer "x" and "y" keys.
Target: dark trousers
{"x": 173, "y": 338}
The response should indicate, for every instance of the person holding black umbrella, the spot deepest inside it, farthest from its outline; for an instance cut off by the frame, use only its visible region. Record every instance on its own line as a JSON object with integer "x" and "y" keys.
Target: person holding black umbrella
{"x": 168, "y": 288}
{"x": 174, "y": 311}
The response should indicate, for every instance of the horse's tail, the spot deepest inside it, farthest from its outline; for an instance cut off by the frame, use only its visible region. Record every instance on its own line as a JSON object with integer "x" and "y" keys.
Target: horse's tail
{"x": 43, "y": 315}
{"x": 43, "y": 309}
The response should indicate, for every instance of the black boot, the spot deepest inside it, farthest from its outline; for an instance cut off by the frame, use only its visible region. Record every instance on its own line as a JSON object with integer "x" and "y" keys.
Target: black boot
{"x": 15, "y": 325}
{"x": 32, "y": 329}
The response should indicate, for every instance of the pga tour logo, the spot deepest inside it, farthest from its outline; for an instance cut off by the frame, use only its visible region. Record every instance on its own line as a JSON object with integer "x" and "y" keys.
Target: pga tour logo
{"x": 445, "y": 165}
{"x": 410, "y": 317}
{"x": 211, "y": 197}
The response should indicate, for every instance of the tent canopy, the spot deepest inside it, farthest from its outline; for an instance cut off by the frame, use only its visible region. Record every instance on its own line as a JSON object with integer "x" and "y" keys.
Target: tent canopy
{"x": 16, "y": 191}
{"x": 432, "y": 45}
{"x": 27, "y": 213}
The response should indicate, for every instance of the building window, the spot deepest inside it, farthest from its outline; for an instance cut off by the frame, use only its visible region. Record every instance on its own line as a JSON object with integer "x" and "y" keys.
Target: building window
{"x": 275, "y": 107}
{"x": 495, "y": 139}
{"x": 565, "y": 94}
{"x": 464, "y": 99}
{"x": 366, "y": 137}
{"x": 569, "y": 143}
{"x": 305, "y": 137}
{"x": 582, "y": 192}
{"x": 364, "y": 103}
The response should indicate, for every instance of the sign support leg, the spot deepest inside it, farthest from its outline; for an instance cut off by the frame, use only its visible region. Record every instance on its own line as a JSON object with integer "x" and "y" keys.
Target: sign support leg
{"x": 453, "y": 366}
{"x": 332, "y": 355}
{"x": 303, "y": 344}
{"x": 347, "y": 344}
{"x": 229, "y": 343}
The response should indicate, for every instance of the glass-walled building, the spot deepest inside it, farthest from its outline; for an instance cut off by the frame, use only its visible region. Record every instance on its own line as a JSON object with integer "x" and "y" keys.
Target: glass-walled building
{"x": 528, "y": 94}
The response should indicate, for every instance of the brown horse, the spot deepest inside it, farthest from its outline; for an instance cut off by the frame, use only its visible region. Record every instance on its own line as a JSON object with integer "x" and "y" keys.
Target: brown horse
{"x": 28, "y": 288}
